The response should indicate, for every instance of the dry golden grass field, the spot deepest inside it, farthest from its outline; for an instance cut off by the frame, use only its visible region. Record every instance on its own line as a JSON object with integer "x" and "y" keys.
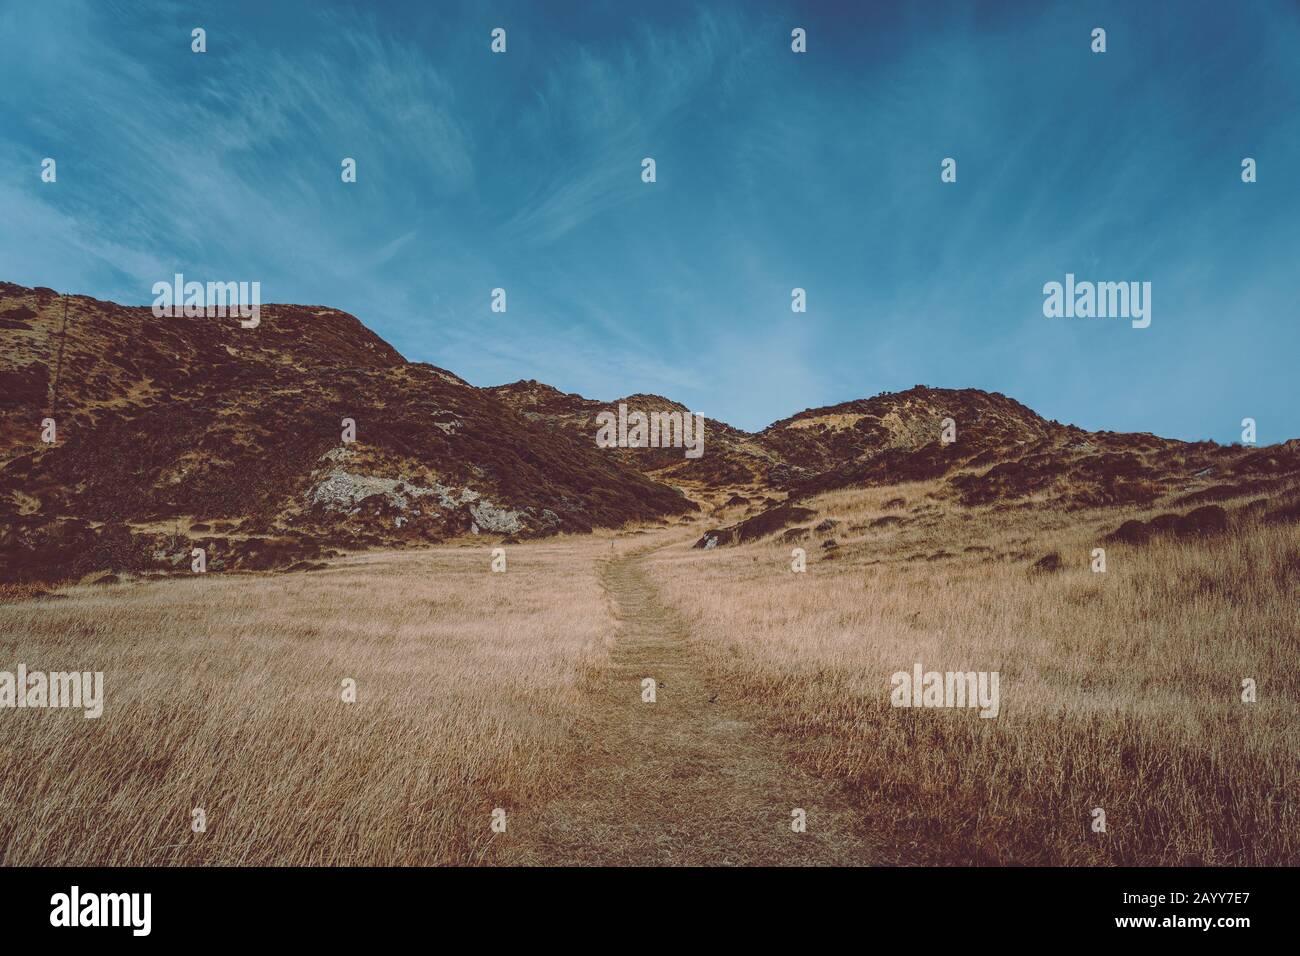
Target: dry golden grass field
{"x": 524, "y": 691}
{"x": 1119, "y": 690}
{"x": 224, "y": 693}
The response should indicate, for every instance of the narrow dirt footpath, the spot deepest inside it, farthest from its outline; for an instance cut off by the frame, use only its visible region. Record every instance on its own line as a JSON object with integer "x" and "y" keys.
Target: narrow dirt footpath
{"x": 687, "y": 780}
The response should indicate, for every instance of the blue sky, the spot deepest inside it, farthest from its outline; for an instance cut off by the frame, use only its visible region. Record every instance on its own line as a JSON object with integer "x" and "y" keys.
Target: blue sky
{"x": 775, "y": 170}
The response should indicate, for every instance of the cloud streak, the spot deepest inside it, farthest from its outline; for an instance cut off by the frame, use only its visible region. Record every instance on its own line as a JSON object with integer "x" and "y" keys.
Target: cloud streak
{"x": 820, "y": 171}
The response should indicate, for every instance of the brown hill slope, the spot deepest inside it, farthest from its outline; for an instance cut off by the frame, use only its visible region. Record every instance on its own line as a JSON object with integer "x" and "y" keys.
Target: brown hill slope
{"x": 1006, "y": 456}
{"x": 182, "y": 432}
{"x": 1002, "y": 452}
{"x": 186, "y": 432}
{"x": 732, "y": 458}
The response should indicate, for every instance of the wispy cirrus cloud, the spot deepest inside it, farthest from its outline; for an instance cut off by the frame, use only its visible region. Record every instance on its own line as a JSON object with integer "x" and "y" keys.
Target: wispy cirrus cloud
{"x": 600, "y": 111}
{"x": 775, "y": 170}
{"x": 233, "y": 168}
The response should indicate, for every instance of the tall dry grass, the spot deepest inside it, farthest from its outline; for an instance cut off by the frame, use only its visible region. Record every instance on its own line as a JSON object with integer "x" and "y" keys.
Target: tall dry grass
{"x": 224, "y": 692}
{"x": 1119, "y": 690}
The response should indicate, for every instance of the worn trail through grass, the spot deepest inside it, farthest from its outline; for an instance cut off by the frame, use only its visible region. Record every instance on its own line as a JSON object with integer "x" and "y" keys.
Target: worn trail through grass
{"x": 690, "y": 779}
